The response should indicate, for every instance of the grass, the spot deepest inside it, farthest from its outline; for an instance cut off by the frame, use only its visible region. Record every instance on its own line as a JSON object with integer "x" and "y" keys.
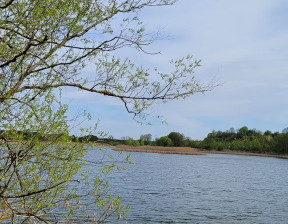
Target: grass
{"x": 160, "y": 149}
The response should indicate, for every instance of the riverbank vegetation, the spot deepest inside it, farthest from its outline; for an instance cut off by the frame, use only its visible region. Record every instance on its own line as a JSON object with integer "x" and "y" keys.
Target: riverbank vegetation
{"x": 243, "y": 140}
{"x": 240, "y": 140}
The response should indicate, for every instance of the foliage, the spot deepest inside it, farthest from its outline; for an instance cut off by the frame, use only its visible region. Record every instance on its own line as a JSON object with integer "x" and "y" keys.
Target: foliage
{"x": 281, "y": 143}
{"x": 164, "y": 141}
{"x": 45, "y": 47}
{"x": 176, "y": 138}
{"x": 244, "y": 139}
{"x": 88, "y": 138}
{"x": 133, "y": 142}
{"x": 35, "y": 173}
{"x": 146, "y": 138}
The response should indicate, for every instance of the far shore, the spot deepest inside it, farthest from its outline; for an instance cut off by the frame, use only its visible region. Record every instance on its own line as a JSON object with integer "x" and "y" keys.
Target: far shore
{"x": 283, "y": 156}
{"x": 159, "y": 149}
{"x": 189, "y": 151}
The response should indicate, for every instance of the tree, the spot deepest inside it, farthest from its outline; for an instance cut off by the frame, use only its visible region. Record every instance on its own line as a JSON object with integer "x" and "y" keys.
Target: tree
{"x": 242, "y": 132}
{"x": 133, "y": 142}
{"x": 177, "y": 138}
{"x": 281, "y": 143}
{"x": 164, "y": 141}
{"x": 44, "y": 47}
{"x": 146, "y": 138}
{"x": 267, "y": 133}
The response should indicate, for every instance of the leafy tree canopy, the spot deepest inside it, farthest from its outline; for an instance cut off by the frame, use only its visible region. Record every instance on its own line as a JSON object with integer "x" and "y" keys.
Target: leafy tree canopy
{"x": 177, "y": 138}
{"x": 164, "y": 141}
{"x": 44, "y": 47}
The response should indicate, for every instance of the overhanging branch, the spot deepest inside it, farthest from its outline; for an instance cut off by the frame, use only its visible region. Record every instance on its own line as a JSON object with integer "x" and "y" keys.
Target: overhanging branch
{"x": 7, "y": 4}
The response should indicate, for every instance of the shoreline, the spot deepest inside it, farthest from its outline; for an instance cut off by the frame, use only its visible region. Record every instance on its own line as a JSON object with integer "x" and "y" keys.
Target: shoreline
{"x": 241, "y": 153}
{"x": 190, "y": 151}
{"x": 160, "y": 149}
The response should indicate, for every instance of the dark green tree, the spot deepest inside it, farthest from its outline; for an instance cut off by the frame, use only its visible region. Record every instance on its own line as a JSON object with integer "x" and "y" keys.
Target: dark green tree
{"x": 267, "y": 133}
{"x": 281, "y": 143}
{"x": 242, "y": 132}
{"x": 177, "y": 138}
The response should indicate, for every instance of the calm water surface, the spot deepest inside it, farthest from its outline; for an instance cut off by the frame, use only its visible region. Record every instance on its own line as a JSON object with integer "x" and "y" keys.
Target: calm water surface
{"x": 165, "y": 188}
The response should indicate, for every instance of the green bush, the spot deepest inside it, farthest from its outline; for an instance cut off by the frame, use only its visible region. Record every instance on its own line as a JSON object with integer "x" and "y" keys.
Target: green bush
{"x": 164, "y": 141}
{"x": 133, "y": 142}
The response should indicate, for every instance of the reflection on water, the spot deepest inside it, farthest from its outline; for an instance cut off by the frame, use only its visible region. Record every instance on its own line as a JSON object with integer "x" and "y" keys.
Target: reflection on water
{"x": 165, "y": 188}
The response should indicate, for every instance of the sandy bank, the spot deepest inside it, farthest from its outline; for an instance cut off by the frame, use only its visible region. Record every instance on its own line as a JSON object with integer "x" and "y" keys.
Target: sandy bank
{"x": 189, "y": 151}
{"x": 159, "y": 149}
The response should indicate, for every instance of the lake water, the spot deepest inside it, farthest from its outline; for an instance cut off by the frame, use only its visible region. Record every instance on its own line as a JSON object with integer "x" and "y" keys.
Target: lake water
{"x": 166, "y": 188}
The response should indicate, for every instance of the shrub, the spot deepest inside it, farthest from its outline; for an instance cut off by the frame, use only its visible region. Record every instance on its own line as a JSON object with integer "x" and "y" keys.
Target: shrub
{"x": 164, "y": 141}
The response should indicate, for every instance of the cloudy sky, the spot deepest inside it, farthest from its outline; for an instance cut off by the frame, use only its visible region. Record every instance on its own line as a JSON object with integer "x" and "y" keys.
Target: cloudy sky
{"x": 242, "y": 44}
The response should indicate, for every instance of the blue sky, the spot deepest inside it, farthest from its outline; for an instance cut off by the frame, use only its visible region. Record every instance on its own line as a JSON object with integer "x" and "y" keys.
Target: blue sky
{"x": 242, "y": 44}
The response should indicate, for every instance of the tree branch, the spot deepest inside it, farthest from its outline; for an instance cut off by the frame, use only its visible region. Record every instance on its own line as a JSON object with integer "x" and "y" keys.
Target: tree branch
{"x": 7, "y": 4}
{"x": 34, "y": 192}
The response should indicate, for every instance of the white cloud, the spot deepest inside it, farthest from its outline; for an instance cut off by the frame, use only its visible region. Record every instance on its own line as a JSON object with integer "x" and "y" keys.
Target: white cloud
{"x": 242, "y": 43}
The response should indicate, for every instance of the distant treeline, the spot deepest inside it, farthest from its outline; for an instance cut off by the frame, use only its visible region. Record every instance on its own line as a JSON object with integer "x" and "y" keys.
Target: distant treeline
{"x": 92, "y": 138}
{"x": 243, "y": 139}
{"x": 12, "y": 135}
